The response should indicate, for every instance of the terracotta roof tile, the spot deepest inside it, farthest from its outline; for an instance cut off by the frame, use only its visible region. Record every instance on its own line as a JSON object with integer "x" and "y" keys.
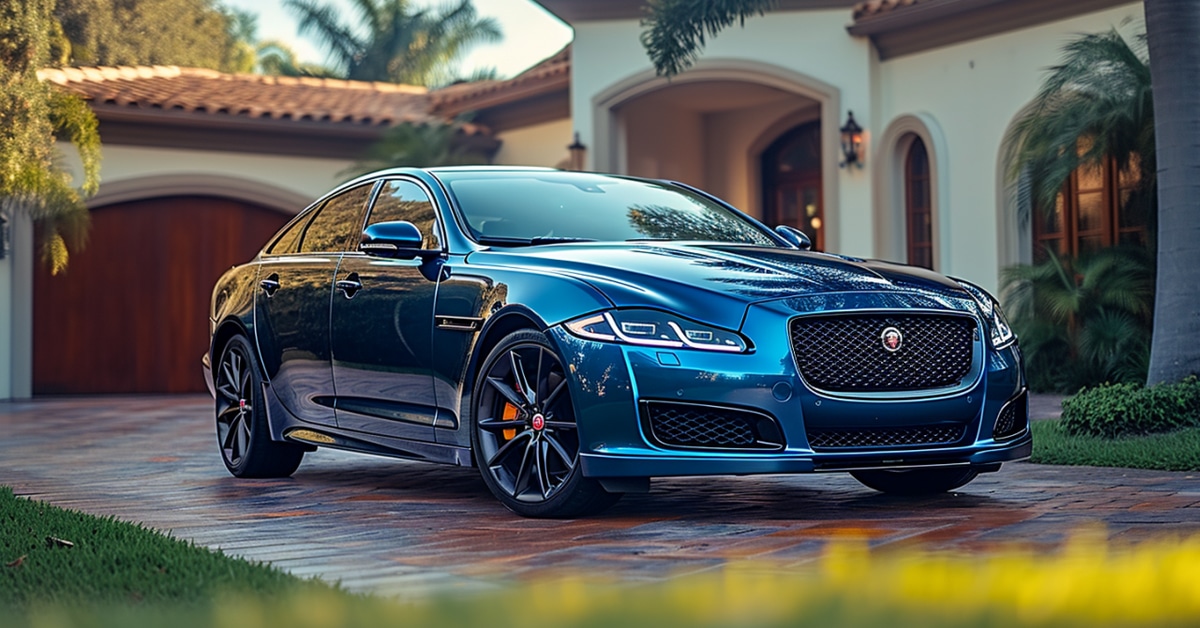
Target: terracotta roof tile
{"x": 871, "y": 8}
{"x": 549, "y": 74}
{"x": 213, "y": 93}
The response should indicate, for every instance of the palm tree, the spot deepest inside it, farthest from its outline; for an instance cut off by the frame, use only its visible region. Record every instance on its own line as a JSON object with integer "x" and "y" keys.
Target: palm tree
{"x": 395, "y": 42}
{"x": 33, "y": 114}
{"x": 676, "y": 30}
{"x": 1173, "y": 28}
{"x": 276, "y": 58}
{"x": 1098, "y": 103}
{"x": 1083, "y": 322}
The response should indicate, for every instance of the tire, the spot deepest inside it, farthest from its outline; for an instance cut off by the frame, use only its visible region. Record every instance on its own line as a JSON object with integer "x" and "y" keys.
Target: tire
{"x": 243, "y": 436}
{"x": 915, "y": 481}
{"x": 524, "y": 436}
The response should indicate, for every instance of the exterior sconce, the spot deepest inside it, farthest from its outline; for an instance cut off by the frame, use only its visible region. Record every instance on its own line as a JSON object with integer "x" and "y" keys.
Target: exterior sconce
{"x": 578, "y": 157}
{"x": 852, "y": 142}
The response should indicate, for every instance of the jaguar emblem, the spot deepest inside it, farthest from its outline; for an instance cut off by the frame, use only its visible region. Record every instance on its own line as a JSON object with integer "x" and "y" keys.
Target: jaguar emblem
{"x": 892, "y": 339}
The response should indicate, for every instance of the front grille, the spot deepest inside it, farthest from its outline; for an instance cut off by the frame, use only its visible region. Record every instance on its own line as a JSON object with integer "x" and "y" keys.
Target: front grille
{"x": 920, "y": 436}
{"x": 1013, "y": 418}
{"x": 701, "y": 426}
{"x": 846, "y": 353}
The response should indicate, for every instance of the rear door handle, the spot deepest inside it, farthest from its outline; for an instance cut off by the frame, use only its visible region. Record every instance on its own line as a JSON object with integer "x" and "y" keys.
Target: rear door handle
{"x": 349, "y": 286}
{"x": 270, "y": 284}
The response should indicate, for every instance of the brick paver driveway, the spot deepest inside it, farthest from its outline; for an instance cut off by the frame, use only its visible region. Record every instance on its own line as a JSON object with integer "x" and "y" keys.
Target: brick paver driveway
{"x": 408, "y": 528}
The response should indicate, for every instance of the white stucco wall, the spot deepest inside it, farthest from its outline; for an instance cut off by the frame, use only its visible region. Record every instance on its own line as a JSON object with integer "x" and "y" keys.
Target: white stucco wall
{"x": 664, "y": 143}
{"x": 536, "y": 145}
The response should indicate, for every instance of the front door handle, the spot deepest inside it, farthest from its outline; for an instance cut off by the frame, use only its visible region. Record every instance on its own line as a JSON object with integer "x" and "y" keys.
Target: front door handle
{"x": 349, "y": 286}
{"x": 270, "y": 284}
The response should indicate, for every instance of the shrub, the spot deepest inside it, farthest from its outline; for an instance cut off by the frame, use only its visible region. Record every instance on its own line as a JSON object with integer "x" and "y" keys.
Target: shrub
{"x": 1113, "y": 410}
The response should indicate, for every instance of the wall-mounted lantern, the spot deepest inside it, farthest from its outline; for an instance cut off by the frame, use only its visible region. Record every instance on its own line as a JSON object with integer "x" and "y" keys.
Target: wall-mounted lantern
{"x": 578, "y": 151}
{"x": 852, "y": 142}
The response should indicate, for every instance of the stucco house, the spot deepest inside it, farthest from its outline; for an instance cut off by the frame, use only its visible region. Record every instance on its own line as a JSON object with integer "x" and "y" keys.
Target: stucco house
{"x": 200, "y": 167}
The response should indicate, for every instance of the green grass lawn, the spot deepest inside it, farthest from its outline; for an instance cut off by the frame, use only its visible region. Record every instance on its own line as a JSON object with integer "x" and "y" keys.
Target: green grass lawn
{"x": 110, "y": 561}
{"x": 1172, "y": 451}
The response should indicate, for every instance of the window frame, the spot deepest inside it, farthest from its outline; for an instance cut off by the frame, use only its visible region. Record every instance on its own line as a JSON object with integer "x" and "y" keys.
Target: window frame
{"x": 910, "y": 210}
{"x": 1113, "y": 184}
{"x": 439, "y": 227}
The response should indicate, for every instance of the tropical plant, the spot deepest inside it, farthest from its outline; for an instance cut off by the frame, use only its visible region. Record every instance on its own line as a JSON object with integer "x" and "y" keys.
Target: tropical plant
{"x": 1173, "y": 28}
{"x": 418, "y": 145}
{"x": 1095, "y": 105}
{"x": 1085, "y": 321}
{"x": 394, "y": 41}
{"x": 675, "y": 31}
{"x": 33, "y": 114}
{"x": 276, "y": 58}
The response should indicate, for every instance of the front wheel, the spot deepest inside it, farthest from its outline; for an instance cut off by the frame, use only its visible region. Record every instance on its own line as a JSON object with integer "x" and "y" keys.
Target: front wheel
{"x": 915, "y": 481}
{"x": 524, "y": 433}
{"x": 242, "y": 431}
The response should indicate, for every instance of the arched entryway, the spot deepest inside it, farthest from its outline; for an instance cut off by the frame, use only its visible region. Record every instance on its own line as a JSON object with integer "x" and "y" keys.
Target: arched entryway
{"x": 792, "y": 170}
{"x": 130, "y": 314}
{"x": 709, "y": 127}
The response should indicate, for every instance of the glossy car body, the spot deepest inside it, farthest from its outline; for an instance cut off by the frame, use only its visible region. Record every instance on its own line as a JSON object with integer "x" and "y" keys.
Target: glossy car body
{"x": 382, "y": 355}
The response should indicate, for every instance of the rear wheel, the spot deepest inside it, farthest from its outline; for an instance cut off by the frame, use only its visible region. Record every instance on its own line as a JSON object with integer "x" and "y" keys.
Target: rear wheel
{"x": 916, "y": 481}
{"x": 242, "y": 431}
{"x": 524, "y": 433}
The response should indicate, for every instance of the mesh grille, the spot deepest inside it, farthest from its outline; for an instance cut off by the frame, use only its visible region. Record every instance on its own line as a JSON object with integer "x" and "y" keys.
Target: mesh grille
{"x": 1012, "y": 420}
{"x": 846, "y": 353}
{"x": 684, "y": 425}
{"x": 920, "y": 436}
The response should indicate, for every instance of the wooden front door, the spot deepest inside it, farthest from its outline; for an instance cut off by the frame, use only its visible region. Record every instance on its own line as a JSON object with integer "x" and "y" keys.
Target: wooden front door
{"x": 791, "y": 169}
{"x": 130, "y": 314}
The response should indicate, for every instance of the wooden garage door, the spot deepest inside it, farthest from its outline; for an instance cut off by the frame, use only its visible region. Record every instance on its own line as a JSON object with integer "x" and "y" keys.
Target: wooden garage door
{"x": 130, "y": 315}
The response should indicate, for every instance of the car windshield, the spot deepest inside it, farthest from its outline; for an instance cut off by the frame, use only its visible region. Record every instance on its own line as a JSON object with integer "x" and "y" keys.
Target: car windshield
{"x": 515, "y": 208}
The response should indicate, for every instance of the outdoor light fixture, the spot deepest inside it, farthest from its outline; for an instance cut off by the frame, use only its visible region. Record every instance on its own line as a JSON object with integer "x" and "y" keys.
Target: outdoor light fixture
{"x": 578, "y": 154}
{"x": 852, "y": 142}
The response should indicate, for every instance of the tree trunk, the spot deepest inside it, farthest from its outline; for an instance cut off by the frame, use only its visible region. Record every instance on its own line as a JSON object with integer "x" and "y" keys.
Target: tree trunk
{"x": 1173, "y": 30}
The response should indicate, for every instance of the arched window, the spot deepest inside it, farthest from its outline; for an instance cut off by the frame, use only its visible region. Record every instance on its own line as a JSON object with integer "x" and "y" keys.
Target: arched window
{"x": 1093, "y": 211}
{"x": 918, "y": 205}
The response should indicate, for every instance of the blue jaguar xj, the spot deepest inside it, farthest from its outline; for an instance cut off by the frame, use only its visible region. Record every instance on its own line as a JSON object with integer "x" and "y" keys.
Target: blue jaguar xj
{"x": 573, "y": 335}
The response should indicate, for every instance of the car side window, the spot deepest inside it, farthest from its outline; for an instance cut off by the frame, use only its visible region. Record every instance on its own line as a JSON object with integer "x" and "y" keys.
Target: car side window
{"x": 405, "y": 200}
{"x": 288, "y": 241}
{"x": 337, "y": 223}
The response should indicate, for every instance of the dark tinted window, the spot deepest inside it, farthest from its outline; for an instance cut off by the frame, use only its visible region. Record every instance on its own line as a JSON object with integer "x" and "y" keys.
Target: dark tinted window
{"x": 338, "y": 223}
{"x": 405, "y": 200}
{"x": 289, "y": 240}
{"x": 528, "y": 205}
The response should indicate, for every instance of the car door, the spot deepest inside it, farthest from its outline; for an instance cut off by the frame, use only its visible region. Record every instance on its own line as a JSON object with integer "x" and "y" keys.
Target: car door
{"x": 292, "y": 305}
{"x": 381, "y": 321}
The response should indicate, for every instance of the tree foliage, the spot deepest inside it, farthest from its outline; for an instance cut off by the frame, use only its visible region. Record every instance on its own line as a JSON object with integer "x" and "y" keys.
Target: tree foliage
{"x": 675, "y": 31}
{"x": 1096, "y": 104}
{"x": 32, "y": 114}
{"x": 394, "y": 41}
{"x": 1086, "y": 321}
{"x": 418, "y": 145}
{"x": 194, "y": 33}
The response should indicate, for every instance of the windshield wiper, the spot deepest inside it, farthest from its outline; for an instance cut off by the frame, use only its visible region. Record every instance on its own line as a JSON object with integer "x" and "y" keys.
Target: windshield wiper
{"x": 506, "y": 241}
{"x": 558, "y": 240}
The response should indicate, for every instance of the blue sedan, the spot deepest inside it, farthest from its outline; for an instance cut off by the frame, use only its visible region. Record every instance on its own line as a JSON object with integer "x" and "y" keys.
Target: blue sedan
{"x": 573, "y": 335}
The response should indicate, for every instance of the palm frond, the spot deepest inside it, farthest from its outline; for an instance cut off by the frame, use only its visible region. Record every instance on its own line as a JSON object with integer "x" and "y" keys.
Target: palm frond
{"x": 674, "y": 31}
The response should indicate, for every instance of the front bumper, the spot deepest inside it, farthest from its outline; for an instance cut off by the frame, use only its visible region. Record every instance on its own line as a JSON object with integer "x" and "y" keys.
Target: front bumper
{"x": 611, "y": 383}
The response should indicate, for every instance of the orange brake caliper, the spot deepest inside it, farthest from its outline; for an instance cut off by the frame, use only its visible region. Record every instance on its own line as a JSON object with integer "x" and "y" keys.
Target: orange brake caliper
{"x": 510, "y": 413}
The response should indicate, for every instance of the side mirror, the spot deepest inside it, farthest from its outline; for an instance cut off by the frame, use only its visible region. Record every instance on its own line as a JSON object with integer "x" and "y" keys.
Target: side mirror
{"x": 398, "y": 239}
{"x": 794, "y": 237}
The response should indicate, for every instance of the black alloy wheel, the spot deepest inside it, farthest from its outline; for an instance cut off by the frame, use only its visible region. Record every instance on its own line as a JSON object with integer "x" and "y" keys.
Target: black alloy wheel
{"x": 916, "y": 481}
{"x": 525, "y": 437}
{"x": 242, "y": 431}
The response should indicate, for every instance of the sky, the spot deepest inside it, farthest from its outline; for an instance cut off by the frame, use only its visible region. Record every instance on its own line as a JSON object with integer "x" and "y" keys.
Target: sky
{"x": 530, "y": 33}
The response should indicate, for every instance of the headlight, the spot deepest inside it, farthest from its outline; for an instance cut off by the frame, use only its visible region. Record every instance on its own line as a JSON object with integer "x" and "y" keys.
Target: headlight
{"x": 1002, "y": 335}
{"x": 648, "y": 328}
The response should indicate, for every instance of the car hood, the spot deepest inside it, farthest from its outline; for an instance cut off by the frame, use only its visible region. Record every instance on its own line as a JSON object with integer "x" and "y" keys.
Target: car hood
{"x": 713, "y": 283}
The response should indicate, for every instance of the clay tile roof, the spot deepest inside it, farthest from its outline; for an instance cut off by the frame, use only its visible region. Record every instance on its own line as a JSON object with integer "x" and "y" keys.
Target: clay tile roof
{"x": 549, "y": 75}
{"x": 872, "y": 8}
{"x": 208, "y": 92}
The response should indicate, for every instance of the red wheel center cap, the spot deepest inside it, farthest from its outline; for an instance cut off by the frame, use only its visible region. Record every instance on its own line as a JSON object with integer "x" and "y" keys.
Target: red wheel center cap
{"x": 539, "y": 422}
{"x": 242, "y": 405}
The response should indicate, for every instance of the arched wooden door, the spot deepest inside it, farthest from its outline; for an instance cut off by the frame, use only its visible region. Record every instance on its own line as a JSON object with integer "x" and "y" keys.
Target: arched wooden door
{"x": 130, "y": 314}
{"x": 792, "y": 192}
